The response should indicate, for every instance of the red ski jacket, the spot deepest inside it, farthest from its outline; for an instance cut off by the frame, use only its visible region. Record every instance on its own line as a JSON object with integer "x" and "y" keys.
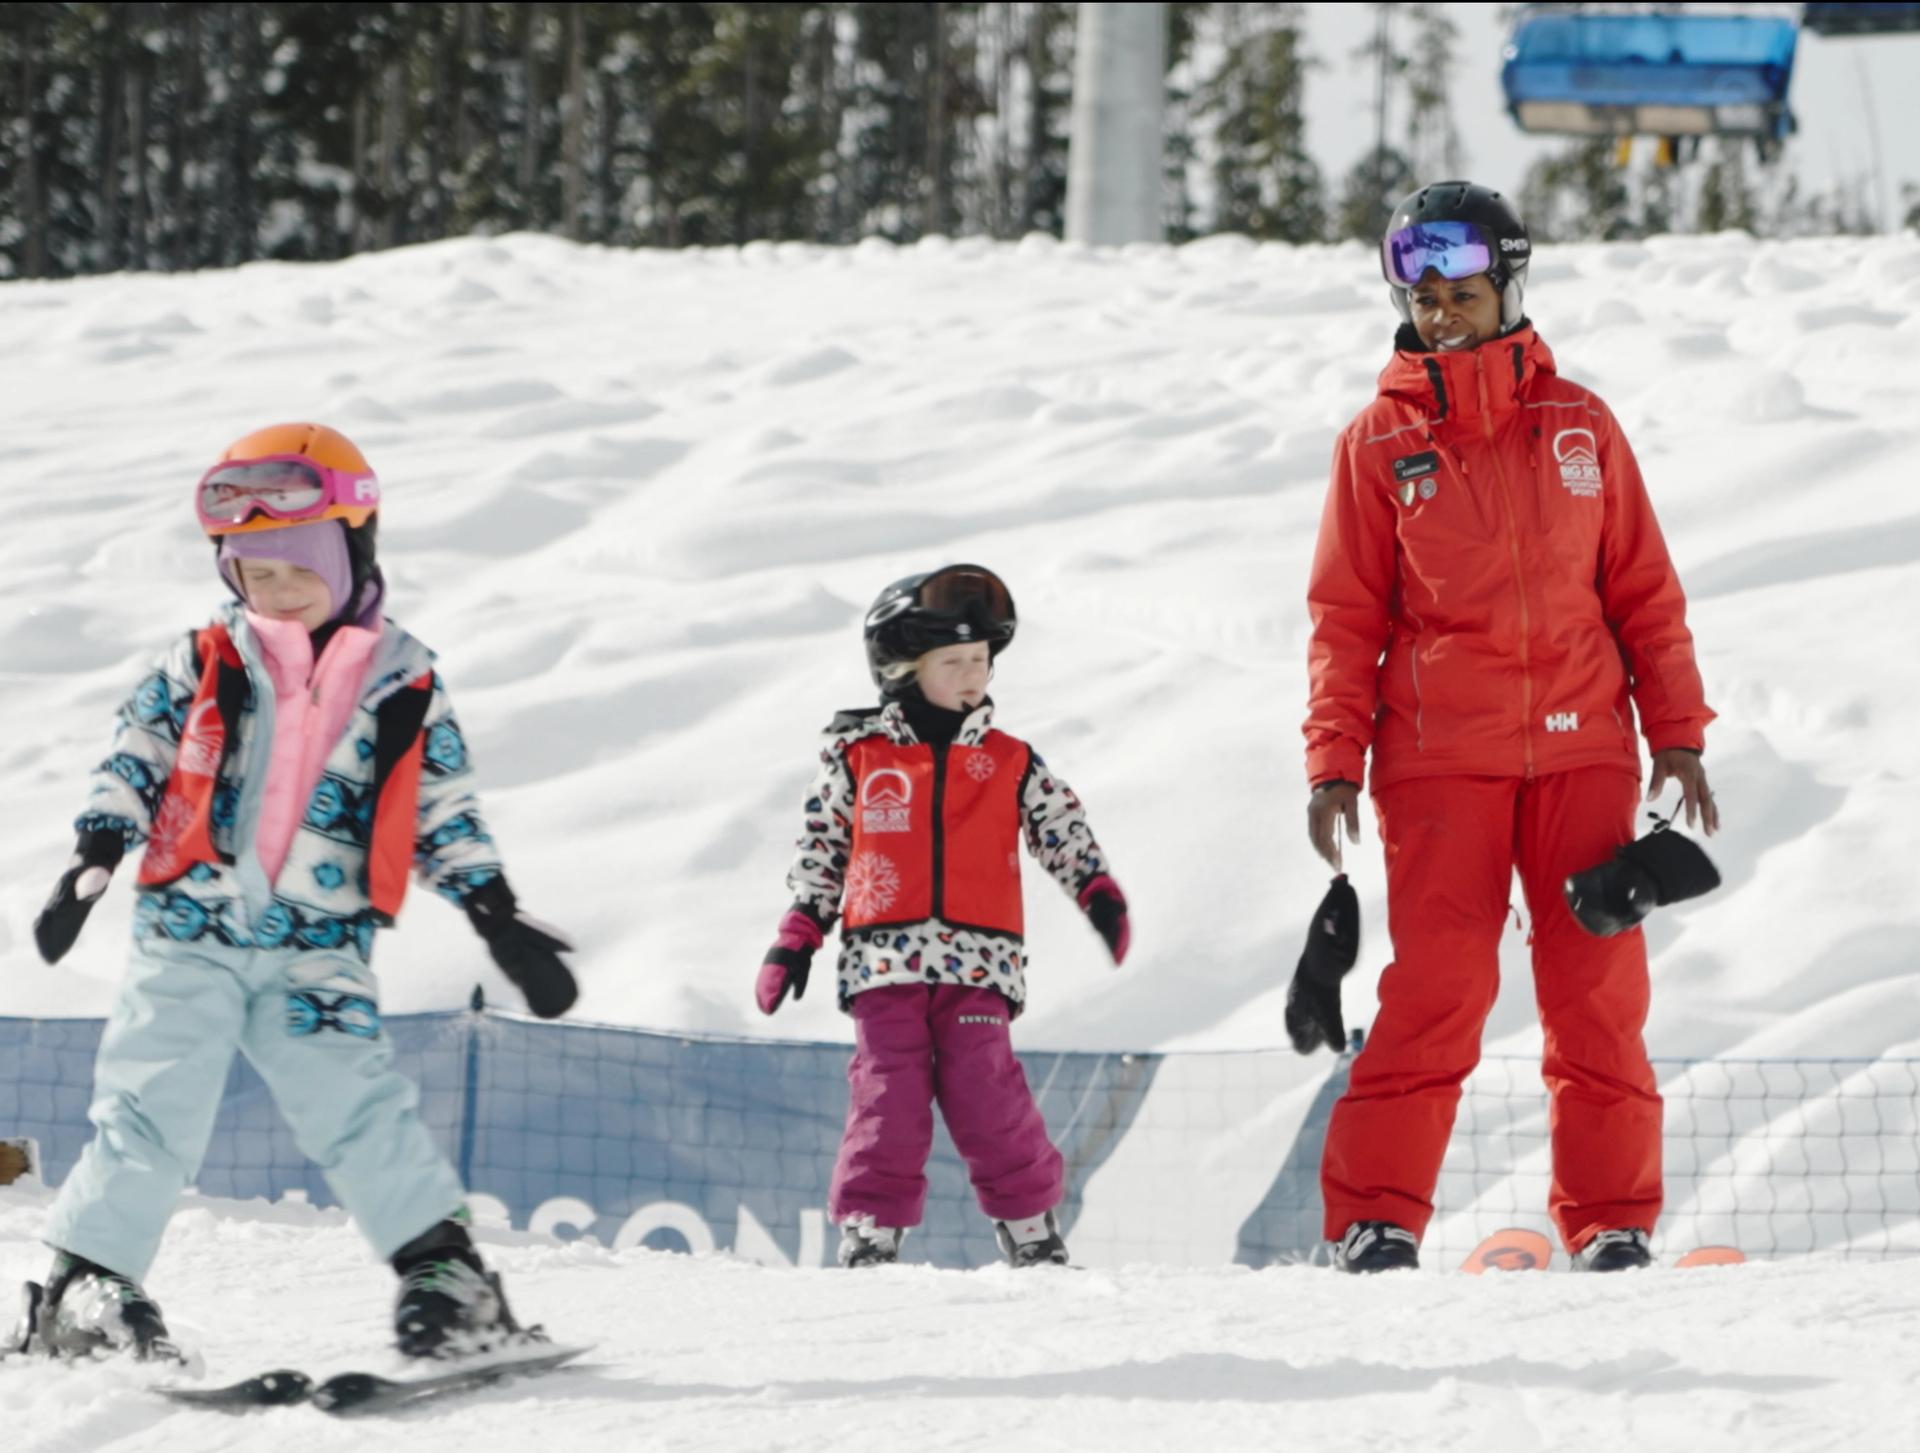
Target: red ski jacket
{"x": 1491, "y": 595}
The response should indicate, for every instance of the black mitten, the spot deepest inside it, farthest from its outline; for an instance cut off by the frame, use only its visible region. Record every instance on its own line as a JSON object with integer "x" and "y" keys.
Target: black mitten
{"x": 1661, "y": 868}
{"x": 1333, "y": 946}
{"x": 527, "y": 951}
{"x": 95, "y": 856}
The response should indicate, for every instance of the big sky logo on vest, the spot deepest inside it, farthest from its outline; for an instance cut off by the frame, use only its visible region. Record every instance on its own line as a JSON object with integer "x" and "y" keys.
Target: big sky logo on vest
{"x": 886, "y": 801}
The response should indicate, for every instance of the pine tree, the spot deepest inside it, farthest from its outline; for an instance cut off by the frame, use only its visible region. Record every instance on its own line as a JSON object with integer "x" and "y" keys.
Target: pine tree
{"x": 1265, "y": 182}
{"x": 1727, "y": 198}
{"x": 1184, "y": 19}
{"x": 1578, "y": 194}
{"x": 1368, "y": 194}
{"x": 1433, "y": 136}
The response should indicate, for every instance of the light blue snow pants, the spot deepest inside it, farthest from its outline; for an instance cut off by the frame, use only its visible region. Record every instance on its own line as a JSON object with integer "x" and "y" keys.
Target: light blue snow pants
{"x": 182, "y": 1012}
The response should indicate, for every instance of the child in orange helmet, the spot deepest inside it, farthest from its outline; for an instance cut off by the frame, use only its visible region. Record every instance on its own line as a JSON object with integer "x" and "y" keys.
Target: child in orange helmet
{"x": 284, "y": 767}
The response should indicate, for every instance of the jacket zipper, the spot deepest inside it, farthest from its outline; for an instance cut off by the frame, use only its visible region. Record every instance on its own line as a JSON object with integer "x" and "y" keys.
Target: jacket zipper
{"x": 1519, "y": 571}
{"x": 939, "y": 832}
{"x": 1419, "y": 706}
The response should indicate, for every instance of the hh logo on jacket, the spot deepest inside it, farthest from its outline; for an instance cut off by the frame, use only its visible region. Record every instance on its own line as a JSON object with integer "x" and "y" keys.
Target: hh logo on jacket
{"x": 1579, "y": 458}
{"x": 886, "y": 801}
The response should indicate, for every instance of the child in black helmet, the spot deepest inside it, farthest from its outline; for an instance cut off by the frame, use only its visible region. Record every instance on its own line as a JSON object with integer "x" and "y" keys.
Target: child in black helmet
{"x": 911, "y": 838}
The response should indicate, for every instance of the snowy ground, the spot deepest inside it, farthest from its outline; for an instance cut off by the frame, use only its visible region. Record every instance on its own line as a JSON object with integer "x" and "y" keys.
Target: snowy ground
{"x": 719, "y": 1354}
{"x": 638, "y": 501}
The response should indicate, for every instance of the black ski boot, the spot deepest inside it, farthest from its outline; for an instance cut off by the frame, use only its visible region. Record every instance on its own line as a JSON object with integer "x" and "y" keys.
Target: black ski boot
{"x": 1035, "y": 1241}
{"x": 1623, "y": 1250}
{"x": 450, "y": 1304}
{"x": 86, "y": 1309}
{"x": 1371, "y": 1246}
{"x": 864, "y": 1244}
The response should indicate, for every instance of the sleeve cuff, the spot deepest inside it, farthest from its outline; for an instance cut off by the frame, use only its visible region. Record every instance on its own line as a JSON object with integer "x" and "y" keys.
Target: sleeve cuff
{"x": 1686, "y": 738}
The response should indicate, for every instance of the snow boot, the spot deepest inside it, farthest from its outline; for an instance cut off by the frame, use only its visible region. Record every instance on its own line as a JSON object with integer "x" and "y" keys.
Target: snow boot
{"x": 1371, "y": 1246}
{"x": 1035, "y": 1241}
{"x": 450, "y": 1305}
{"x": 86, "y": 1309}
{"x": 1623, "y": 1250}
{"x": 864, "y": 1244}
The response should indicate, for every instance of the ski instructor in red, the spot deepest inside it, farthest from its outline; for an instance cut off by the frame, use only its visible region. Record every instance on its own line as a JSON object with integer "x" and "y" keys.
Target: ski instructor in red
{"x": 1493, "y": 610}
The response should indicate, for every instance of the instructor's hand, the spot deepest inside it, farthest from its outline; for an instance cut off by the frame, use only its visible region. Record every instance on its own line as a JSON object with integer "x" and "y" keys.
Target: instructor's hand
{"x": 1683, "y": 765}
{"x": 1329, "y": 804}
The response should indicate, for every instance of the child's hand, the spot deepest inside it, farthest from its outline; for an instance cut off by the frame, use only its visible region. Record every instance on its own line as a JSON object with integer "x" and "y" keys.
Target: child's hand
{"x": 1106, "y": 908}
{"x": 527, "y": 951}
{"x": 788, "y": 962}
{"x": 95, "y": 856}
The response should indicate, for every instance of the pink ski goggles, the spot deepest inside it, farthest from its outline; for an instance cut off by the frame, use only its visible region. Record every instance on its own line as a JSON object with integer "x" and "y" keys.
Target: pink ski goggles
{"x": 283, "y": 489}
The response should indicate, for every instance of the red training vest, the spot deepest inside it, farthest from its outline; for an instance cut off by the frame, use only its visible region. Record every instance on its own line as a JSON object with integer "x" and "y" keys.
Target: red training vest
{"x": 936, "y": 834}
{"x": 182, "y": 829}
{"x": 182, "y": 834}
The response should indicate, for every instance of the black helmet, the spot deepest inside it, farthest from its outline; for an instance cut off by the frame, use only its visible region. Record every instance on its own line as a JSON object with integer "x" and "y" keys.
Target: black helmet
{"x": 1459, "y": 229}
{"x": 952, "y": 606}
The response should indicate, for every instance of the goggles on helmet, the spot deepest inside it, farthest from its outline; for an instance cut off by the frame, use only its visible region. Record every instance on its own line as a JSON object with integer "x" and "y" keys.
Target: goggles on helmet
{"x": 283, "y": 489}
{"x": 1452, "y": 249}
{"x": 960, "y": 595}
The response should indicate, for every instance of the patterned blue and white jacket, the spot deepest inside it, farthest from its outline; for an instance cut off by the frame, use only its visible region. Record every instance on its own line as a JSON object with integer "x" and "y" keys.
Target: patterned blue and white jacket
{"x": 319, "y": 901}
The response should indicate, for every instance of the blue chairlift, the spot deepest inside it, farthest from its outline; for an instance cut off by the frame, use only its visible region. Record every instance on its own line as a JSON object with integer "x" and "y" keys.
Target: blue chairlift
{"x": 1570, "y": 73}
{"x": 1860, "y": 19}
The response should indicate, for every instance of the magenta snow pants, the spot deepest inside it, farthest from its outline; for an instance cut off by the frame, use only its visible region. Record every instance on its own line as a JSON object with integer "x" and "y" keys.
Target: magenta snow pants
{"x": 918, "y": 1043}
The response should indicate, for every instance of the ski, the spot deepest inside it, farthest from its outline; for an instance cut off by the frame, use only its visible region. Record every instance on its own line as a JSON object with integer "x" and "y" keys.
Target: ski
{"x": 268, "y": 1390}
{"x": 351, "y": 1393}
{"x": 1511, "y": 1249}
{"x": 1713, "y": 1256}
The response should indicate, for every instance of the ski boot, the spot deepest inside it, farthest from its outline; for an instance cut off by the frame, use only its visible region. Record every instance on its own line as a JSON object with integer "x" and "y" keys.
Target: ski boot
{"x": 1371, "y": 1246}
{"x": 450, "y": 1305}
{"x": 1622, "y": 1250}
{"x": 85, "y": 1309}
{"x": 1036, "y": 1241}
{"x": 864, "y": 1244}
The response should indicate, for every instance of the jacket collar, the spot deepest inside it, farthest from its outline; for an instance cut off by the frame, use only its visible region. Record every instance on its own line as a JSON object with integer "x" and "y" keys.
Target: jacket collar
{"x": 973, "y": 731}
{"x": 1494, "y": 378}
{"x": 397, "y": 657}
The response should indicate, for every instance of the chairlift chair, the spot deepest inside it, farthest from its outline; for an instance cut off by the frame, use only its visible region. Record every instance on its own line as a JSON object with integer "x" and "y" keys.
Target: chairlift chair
{"x": 1673, "y": 76}
{"x": 1850, "y": 20}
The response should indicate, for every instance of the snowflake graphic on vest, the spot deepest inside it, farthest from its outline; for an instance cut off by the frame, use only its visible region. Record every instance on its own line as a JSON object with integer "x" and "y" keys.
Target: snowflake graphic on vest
{"x": 169, "y": 834}
{"x": 873, "y": 882}
{"x": 981, "y": 766}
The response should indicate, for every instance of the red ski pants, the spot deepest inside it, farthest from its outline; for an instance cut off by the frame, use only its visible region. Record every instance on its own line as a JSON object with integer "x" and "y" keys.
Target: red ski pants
{"x": 1452, "y": 844}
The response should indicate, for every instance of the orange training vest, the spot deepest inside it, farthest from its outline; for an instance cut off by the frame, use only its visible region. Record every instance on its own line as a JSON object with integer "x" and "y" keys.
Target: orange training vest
{"x": 182, "y": 828}
{"x": 936, "y": 834}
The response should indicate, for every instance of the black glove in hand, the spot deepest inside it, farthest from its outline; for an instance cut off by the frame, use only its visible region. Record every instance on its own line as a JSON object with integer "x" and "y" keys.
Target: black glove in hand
{"x": 95, "y": 856}
{"x": 1661, "y": 868}
{"x": 527, "y": 951}
{"x": 1333, "y": 945}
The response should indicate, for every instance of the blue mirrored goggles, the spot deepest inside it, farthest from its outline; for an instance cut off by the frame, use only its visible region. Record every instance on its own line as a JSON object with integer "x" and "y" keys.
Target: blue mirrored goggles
{"x": 1452, "y": 249}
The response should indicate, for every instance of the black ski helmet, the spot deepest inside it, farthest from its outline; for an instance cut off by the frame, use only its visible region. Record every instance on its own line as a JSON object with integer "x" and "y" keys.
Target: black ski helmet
{"x": 952, "y": 606}
{"x": 1508, "y": 246}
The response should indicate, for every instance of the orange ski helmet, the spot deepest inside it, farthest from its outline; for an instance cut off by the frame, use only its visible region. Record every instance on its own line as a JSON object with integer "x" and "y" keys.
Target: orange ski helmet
{"x": 293, "y": 474}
